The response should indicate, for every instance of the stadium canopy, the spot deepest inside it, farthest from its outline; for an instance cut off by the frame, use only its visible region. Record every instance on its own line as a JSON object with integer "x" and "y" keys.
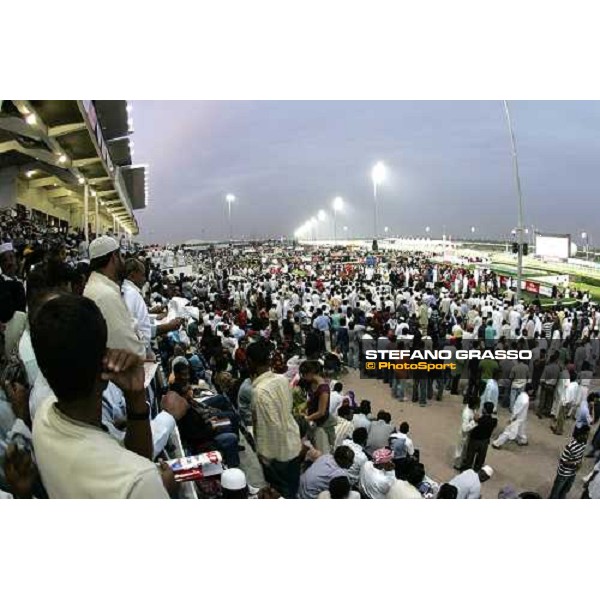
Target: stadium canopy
{"x": 61, "y": 146}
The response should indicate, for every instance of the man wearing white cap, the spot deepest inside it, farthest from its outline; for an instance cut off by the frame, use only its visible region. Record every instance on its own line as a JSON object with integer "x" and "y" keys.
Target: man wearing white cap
{"x": 103, "y": 287}
{"x": 234, "y": 485}
{"x": 468, "y": 483}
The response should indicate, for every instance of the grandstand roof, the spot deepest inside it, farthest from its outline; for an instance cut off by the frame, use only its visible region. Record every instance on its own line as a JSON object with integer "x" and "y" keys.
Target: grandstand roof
{"x": 62, "y": 145}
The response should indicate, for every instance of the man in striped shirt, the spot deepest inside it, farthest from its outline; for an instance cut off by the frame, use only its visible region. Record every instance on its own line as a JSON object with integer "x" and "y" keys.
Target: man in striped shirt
{"x": 569, "y": 463}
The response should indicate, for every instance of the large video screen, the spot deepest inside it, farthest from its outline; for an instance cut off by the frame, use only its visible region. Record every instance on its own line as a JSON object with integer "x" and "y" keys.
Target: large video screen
{"x": 555, "y": 246}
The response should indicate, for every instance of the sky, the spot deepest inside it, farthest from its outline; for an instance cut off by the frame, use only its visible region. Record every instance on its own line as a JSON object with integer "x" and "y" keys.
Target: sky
{"x": 448, "y": 167}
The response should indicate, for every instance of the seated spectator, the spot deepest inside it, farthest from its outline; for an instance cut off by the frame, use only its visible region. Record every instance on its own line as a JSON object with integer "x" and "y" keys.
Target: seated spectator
{"x": 400, "y": 443}
{"x": 234, "y": 485}
{"x": 361, "y": 417}
{"x": 379, "y": 432}
{"x": 447, "y": 492}
{"x": 344, "y": 427}
{"x": 336, "y": 398}
{"x": 339, "y": 489}
{"x": 377, "y": 476}
{"x": 317, "y": 477}
{"x": 409, "y": 489}
{"x": 357, "y": 444}
{"x": 76, "y": 457}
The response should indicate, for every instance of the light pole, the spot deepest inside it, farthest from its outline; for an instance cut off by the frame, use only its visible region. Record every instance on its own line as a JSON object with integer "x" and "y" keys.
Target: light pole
{"x": 386, "y": 229}
{"x": 345, "y": 228}
{"x": 313, "y": 224}
{"x": 377, "y": 175}
{"x": 230, "y": 198}
{"x": 584, "y": 237}
{"x": 520, "y": 199}
{"x": 338, "y": 204}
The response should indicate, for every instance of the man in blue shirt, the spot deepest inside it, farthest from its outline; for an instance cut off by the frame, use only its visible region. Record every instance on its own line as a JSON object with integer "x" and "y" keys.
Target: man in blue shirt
{"x": 490, "y": 335}
{"x": 321, "y": 324}
{"x": 325, "y": 468}
{"x": 585, "y": 412}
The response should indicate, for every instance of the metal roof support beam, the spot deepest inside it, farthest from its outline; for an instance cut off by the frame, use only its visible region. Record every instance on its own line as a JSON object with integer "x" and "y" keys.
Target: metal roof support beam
{"x": 20, "y": 127}
{"x": 38, "y": 154}
{"x": 66, "y": 129}
{"x": 60, "y": 192}
{"x": 44, "y": 182}
{"x": 84, "y": 162}
{"x": 66, "y": 201}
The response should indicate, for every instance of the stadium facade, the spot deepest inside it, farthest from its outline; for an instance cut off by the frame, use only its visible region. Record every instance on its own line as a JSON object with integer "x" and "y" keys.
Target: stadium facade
{"x": 69, "y": 163}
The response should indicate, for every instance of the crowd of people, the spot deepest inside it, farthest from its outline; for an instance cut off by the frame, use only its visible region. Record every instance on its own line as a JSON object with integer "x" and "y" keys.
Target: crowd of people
{"x": 110, "y": 351}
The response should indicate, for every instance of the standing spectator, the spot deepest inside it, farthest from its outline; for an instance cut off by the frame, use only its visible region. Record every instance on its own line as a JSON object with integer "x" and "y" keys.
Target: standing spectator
{"x": 491, "y": 392}
{"x": 517, "y": 426}
{"x": 76, "y": 456}
{"x": 467, "y": 424}
{"x": 103, "y": 287}
{"x": 548, "y": 382}
{"x": 479, "y": 439}
{"x": 569, "y": 463}
{"x": 518, "y": 376}
{"x": 275, "y": 430}
{"x": 568, "y": 399}
{"x": 585, "y": 413}
{"x": 322, "y": 423}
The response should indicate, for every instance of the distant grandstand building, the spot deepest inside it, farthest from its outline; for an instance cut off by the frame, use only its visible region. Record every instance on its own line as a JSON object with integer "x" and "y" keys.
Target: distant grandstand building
{"x": 69, "y": 163}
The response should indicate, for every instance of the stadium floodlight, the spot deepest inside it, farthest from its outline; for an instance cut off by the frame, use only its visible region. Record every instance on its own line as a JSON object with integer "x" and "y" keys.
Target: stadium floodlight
{"x": 230, "y": 198}
{"x": 31, "y": 119}
{"x": 62, "y": 158}
{"x": 378, "y": 173}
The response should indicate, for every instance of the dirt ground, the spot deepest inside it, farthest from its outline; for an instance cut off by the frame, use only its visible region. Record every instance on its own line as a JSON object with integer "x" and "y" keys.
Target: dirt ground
{"x": 434, "y": 430}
